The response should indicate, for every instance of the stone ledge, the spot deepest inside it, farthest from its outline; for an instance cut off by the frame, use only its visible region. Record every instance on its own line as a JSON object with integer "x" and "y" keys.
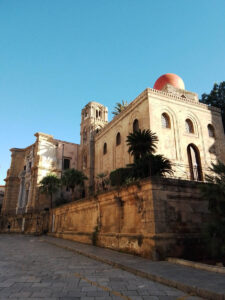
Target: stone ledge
{"x": 196, "y": 265}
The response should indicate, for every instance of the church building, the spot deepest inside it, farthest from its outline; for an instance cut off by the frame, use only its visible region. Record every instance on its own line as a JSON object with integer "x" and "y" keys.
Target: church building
{"x": 190, "y": 135}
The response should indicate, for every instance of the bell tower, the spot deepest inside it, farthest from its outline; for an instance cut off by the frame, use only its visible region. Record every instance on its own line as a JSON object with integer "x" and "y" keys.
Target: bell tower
{"x": 94, "y": 117}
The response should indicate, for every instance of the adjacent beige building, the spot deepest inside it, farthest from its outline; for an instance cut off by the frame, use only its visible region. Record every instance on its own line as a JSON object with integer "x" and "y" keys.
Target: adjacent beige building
{"x": 28, "y": 166}
{"x": 190, "y": 135}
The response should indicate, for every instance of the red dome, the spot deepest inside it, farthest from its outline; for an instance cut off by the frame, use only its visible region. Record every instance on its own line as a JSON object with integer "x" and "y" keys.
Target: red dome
{"x": 169, "y": 78}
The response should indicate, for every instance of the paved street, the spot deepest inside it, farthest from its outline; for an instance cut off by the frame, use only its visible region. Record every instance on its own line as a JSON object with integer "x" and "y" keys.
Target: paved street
{"x": 33, "y": 269}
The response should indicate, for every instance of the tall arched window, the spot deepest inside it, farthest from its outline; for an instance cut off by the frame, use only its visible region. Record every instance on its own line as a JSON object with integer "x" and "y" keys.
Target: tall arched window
{"x": 135, "y": 125}
{"x": 194, "y": 163}
{"x": 189, "y": 126}
{"x": 118, "y": 139}
{"x": 211, "y": 130}
{"x": 105, "y": 148}
{"x": 165, "y": 119}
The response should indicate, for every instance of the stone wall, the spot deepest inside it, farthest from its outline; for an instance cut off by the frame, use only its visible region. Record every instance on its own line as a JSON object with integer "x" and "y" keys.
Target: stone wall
{"x": 27, "y": 223}
{"x": 153, "y": 219}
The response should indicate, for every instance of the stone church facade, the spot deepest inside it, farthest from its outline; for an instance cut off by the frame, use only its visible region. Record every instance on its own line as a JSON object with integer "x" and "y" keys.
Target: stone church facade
{"x": 190, "y": 135}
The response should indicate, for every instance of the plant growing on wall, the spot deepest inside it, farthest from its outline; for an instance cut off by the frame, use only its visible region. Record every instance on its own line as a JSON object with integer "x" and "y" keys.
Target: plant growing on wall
{"x": 103, "y": 181}
{"x": 214, "y": 191}
{"x": 119, "y": 107}
{"x": 72, "y": 178}
{"x": 50, "y": 185}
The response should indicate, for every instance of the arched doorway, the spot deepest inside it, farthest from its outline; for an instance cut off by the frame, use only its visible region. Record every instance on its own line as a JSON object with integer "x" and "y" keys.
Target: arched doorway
{"x": 194, "y": 163}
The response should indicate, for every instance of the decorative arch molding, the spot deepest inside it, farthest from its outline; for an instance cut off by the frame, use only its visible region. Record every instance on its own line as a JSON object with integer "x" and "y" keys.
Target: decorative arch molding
{"x": 135, "y": 115}
{"x": 171, "y": 114}
{"x": 194, "y": 161}
{"x": 196, "y": 123}
{"x": 174, "y": 128}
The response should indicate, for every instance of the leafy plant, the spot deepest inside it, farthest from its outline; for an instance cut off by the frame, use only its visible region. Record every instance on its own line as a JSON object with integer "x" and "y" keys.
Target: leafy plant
{"x": 120, "y": 176}
{"x": 151, "y": 165}
{"x": 50, "y": 185}
{"x": 119, "y": 107}
{"x": 141, "y": 142}
{"x": 103, "y": 181}
{"x": 72, "y": 178}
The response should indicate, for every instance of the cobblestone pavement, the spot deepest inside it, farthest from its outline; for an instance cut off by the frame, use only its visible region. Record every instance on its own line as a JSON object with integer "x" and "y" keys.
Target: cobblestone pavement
{"x": 33, "y": 269}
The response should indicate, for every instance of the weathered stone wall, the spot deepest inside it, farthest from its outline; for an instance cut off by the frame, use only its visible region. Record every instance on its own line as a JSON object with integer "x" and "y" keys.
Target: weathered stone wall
{"x": 152, "y": 218}
{"x": 26, "y": 223}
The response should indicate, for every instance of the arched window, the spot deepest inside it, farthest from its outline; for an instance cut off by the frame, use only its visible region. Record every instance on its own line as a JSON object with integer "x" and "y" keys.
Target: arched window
{"x": 189, "y": 126}
{"x": 96, "y": 113}
{"x": 165, "y": 119}
{"x": 135, "y": 125}
{"x": 105, "y": 148}
{"x": 194, "y": 163}
{"x": 211, "y": 130}
{"x": 118, "y": 139}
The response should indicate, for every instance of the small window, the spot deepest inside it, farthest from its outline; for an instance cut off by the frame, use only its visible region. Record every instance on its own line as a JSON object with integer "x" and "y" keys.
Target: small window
{"x": 66, "y": 163}
{"x": 211, "y": 131}
{"x": 189, "y": 126}
{"x": 165, "y": 119}
{"x": 135, "y": 125}
{"x": 105, "y": 148}
{"x": 96, "y": 113}
{"x": 30, "y": 165}
{"x": 118, "y": 139}
{"x": 24, "y": 168}
{"x": 100, "y": 114}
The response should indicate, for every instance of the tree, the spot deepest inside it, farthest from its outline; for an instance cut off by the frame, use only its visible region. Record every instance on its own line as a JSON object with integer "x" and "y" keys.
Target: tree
{"x": 141, "y": 143}
{"x": 104, "y": 181}
{"x": 72, "y": 178}
{"x": 214, "y": 191}
{"x": 50, "y": 185}
{"x": 119, "y": 107}
{"x": 216, "y": 98}
{"x": 151, "y": 165}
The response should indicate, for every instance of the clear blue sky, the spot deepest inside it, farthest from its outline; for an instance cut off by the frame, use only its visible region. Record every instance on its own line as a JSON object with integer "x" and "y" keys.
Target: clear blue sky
{"x": 57, "y": 55}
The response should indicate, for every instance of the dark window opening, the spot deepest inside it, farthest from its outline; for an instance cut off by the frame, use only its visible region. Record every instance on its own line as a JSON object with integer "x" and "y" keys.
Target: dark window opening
{"x": 135, "y": 125}
{"x": 105, "y": 148}
{"x": 118, "y": 139}
{"x": 189, "y": 126}
{"x": 165, "y": 119}
{"x": 211, "y": 131}
{"x": 66, "y": 163}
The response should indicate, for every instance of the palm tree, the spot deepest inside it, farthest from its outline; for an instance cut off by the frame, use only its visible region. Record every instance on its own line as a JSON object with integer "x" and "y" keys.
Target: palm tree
{"x": 119, "y": 107}
{"x": 72, "y": 178}
{"x": 104, "y": 181}
{"x": 141, "y": 143}
{"x": 151, "y": 165}
{"x": 50, "y": 185}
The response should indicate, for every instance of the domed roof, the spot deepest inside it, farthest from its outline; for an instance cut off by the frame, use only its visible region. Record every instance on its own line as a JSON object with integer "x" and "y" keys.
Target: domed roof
{"x": 169, "y": 78}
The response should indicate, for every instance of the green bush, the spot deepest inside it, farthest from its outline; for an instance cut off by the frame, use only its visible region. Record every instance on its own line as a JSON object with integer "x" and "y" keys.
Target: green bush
{"x": 119, "y": 176}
